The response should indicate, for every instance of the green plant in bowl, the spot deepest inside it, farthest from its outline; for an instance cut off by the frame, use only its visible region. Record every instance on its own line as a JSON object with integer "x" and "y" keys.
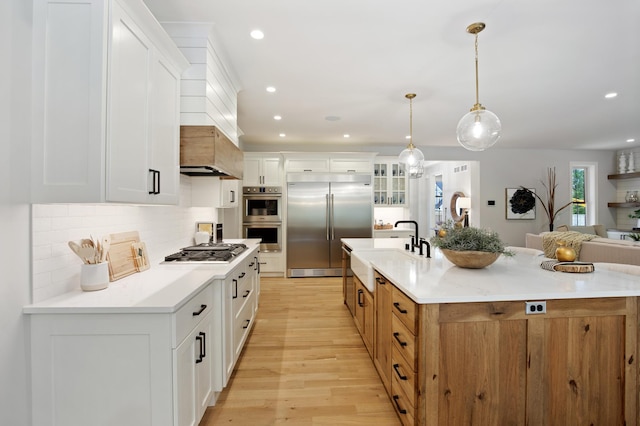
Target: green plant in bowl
{"x": 470, "y": 247}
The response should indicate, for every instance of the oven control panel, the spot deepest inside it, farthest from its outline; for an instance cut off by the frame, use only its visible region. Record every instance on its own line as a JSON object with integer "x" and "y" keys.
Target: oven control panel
{"x": 261, "y": 189}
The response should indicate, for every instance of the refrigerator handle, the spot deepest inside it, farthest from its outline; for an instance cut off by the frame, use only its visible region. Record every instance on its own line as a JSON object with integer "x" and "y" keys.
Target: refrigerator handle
{"x": 333, "y": 234}
{"x": 326, "y": 216}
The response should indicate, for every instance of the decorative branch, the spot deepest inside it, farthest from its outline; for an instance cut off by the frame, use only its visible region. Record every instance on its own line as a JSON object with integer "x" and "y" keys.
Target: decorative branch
{"x": 549, "y": 206}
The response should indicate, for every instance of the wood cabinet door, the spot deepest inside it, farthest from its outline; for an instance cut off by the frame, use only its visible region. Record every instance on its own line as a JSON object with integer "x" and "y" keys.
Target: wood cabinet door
{"x": 383, "y": 332}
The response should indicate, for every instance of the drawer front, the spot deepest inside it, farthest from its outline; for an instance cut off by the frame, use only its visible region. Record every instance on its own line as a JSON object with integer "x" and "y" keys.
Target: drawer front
{"x": 404, "y": 341}
{"x": 406, "y": 411}
{"x": 404, "y": 375}
{"x": 242, "y": 324}
{"x": 241, "y": 291}
{"x": 405, "y": 309}
{"x": 189, "y": 315}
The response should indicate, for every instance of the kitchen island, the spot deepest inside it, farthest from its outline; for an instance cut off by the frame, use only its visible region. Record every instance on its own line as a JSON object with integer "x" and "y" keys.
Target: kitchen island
{"x": 462, "y": 346}
{"x": 153, "y": 348}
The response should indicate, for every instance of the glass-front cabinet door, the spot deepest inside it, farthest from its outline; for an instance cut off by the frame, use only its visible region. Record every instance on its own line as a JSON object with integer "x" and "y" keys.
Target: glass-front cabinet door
{"x": 389, "y": 183}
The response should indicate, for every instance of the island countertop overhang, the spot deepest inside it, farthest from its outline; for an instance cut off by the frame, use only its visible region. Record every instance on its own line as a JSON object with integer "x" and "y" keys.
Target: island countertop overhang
{"x": 518, "y": 278}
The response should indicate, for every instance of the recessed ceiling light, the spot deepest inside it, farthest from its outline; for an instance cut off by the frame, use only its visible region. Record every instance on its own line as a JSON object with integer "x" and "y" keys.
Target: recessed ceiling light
{"x": 408, "y": 137}
{"x": 271, "y": 89}
{"x": 277, "y": 117}
{"x": 611, "y": 95}
{"x": 630, "y": 140}
{"x": 257, "y": 34}
{"x": 282, "y": 135}
{"x": 346, "y": 135}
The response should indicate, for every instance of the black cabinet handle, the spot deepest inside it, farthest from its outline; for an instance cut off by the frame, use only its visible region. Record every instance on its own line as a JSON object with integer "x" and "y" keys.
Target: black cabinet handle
{"x": 400, "y": 376}
{"x": 360, "y": 293}
{"x": 380, "y": 281}
{"x": 400, "y": 409}
{"x": 257, "y": 267}
{"x": 242, "y": 275}
{"x": 202, "y": 308}
{"x": 200, "y": 357}
{"x": 155, "y": 179}
{"x": 246, "y": 293}
{"x": 235, "y": 289}
{"x": 233, "y": 196}
{"x": 247, "y": 324}
{"x": 397, "y": 306}
{"x": 203, "y": 346}
{"x": 395, "y": 336}
{"x": 251, "y": 264}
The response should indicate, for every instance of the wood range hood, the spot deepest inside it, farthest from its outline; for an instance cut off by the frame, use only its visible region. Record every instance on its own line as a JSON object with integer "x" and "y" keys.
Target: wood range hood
{"x": 206, "y": 151}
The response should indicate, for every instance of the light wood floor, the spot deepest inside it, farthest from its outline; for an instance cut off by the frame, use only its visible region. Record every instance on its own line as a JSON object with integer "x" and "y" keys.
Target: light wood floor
{"x": 303, "y": 364}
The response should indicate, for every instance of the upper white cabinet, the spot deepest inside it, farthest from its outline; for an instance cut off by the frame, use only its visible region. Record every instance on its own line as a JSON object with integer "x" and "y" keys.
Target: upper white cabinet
{"x": 389, "y": 183}
{"x": 106, "y": 107}
{"x": 336, "y": 162}
{"x": 209, "y": 191}
{"x": 262, "y": 170}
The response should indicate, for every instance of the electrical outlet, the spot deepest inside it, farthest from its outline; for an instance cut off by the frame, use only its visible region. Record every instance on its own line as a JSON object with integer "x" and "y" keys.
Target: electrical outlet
{"x": 535, "y": 307}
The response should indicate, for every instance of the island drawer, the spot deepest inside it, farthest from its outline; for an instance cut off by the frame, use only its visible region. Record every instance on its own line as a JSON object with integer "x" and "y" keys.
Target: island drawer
{"x": 191, "y": 313}
{"x": 406, "y": 411}
{"x": 405, "y": 309}
{"x": 404, "y": 341}
{"x": 404, "y": 375}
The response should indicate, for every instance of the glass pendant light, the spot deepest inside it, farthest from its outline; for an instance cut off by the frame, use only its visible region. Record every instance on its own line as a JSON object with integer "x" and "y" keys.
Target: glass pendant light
{"x": 480, "y": 128}
{"x": 411, "y": 156}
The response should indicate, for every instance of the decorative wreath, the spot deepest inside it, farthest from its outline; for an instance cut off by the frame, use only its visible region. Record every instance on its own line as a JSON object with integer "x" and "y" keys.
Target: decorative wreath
{"x": 522, "y": 201}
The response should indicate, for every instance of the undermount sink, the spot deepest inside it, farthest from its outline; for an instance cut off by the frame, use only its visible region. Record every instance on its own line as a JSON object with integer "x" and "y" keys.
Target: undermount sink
{"x": 361, "y": 263}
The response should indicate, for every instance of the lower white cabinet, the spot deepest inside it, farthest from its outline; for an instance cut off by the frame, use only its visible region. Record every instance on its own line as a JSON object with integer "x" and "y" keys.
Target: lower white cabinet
{"x": 155, "y": 367}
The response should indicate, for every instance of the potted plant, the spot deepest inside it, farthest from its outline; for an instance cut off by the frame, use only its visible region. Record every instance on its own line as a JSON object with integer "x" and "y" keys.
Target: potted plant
{"x": 550, "y": 205}
{"x": 636, "y": 215}
{"x": 470, "y": 247}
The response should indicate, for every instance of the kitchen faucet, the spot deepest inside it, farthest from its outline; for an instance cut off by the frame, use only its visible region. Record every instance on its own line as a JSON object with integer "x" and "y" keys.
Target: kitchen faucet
{"x": 425, "y": 242}
{"x": 413, "y": 241}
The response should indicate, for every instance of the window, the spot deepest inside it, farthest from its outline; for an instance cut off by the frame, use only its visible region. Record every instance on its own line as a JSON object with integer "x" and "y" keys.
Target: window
{"x": 583, "y": 194}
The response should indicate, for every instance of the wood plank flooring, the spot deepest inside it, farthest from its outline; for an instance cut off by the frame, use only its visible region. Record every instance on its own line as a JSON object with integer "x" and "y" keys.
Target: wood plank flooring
{"x": 303, "y": 364}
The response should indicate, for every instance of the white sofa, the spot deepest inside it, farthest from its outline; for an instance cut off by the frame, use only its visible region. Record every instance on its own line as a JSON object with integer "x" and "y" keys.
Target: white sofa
{"x": 599, "y": 249}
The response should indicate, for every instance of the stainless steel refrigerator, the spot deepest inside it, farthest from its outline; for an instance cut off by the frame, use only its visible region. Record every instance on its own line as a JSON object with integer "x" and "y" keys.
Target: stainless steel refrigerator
{"x": 322, "y": 209}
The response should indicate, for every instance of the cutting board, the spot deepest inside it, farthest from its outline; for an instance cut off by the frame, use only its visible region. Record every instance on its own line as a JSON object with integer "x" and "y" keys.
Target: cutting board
{"x": 121, "y": 259}
{"x": 575, "y": 267}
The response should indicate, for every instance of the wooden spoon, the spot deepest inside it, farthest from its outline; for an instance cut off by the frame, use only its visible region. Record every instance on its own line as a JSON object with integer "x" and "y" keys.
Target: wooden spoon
{"x": 106, "y": 245}
{"x": 75, "y": 248}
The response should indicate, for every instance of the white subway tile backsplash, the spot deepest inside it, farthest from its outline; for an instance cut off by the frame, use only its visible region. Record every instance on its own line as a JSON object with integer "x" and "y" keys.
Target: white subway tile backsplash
{"x": 164, "y": 229}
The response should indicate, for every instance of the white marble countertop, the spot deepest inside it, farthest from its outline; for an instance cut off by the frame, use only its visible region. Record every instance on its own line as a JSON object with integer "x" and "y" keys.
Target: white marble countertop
{"x": 163, "y": 288}
{"x": 436, "y": 280}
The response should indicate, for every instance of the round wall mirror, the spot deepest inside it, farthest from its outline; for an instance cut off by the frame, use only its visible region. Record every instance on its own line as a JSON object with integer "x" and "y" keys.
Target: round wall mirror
{"x": 453, "y": 206}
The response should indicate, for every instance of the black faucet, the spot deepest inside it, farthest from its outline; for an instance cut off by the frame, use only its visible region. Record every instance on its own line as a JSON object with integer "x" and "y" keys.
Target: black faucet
{"x": 425, "y": 242}
{"x": 413, "y": 241}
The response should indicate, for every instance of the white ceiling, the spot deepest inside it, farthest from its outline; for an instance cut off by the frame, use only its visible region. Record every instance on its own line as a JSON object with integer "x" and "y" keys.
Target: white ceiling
{"x": 544, "y": 68}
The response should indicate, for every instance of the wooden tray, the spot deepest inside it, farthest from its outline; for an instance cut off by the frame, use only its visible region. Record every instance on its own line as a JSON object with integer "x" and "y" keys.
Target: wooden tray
{"x": 121, "y": 260}
{"x": 574, "y": 267}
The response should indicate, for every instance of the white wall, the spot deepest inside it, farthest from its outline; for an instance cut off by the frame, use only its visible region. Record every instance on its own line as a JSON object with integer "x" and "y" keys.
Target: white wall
{"x": 15, "y": 73}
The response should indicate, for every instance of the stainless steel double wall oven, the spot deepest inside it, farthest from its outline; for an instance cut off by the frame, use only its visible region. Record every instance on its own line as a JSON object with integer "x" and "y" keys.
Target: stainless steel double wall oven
{"x": 262, "y": 216}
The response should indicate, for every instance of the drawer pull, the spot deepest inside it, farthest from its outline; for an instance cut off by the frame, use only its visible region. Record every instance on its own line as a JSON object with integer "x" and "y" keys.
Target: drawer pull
{"x": 400, "y": 409}
{"x": 395, "y": 336}
{"x": 248, "y": 292}
{"x": 360, "y": 293}
{"x": 397, "y": 306}
{"x": 247, "y": 325}
{"x": 396, "y": 367}
{"x": 380, "y": 281}
{"x": 242, "y": 275}
{"x": 202, "y": 308}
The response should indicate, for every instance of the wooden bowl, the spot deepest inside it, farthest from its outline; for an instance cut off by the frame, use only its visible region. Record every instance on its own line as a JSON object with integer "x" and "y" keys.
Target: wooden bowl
{"x": 470, "y": 259}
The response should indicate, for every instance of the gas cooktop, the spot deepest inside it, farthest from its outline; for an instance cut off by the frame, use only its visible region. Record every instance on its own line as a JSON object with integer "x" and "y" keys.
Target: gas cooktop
{"x": 208, "y": 252}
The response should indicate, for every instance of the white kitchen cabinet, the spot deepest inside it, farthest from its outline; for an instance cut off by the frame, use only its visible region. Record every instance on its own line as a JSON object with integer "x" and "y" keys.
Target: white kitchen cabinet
{"x": 138, "y": 365}
{"x": 315, "y": 163}
{"x": 262, "y": 170}
{"x": 106, "y": 120}
{"x": 351, "y": 165}
{"x": 194, "y": 368}
{"x": 389, "y": 183}
{"x": 211, "y": 191}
